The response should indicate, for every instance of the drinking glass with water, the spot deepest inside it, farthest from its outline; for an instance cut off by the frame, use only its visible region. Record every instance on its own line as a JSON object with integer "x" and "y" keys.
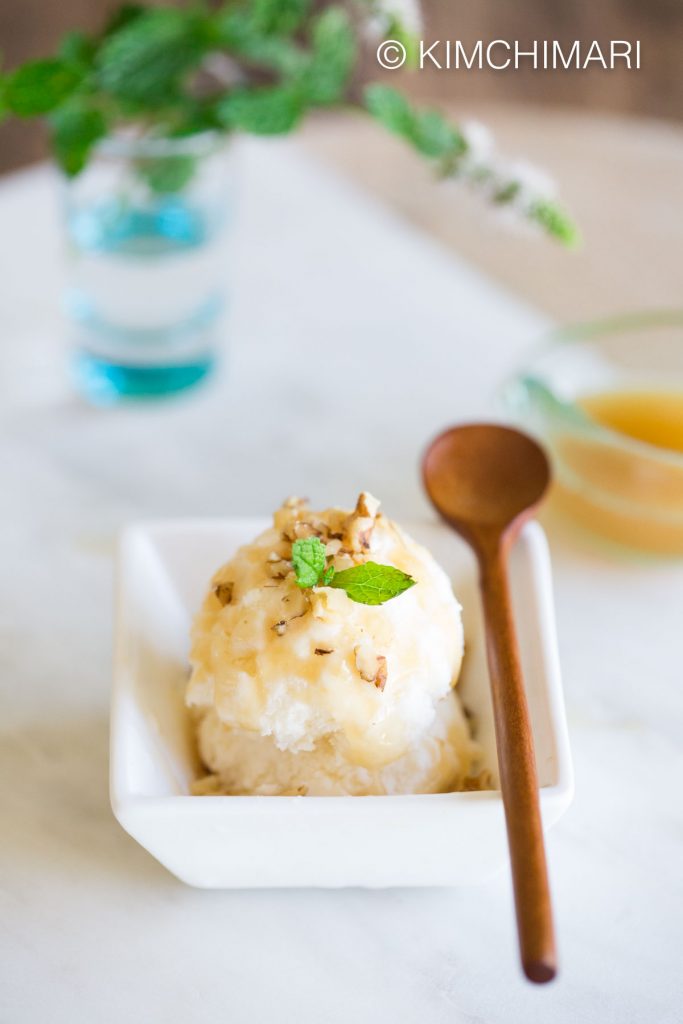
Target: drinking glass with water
{"x": 147, "y": 225}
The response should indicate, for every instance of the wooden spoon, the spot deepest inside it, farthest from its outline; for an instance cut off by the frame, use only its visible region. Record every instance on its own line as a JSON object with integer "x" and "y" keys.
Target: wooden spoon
{"x": 486, "y": 481}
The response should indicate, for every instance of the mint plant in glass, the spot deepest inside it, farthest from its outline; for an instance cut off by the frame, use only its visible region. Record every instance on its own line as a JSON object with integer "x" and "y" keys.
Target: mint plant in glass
{"x": 141, "y": 118}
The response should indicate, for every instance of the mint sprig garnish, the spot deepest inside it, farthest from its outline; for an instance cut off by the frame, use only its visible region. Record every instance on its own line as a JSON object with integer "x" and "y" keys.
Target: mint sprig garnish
{"x": 368, "y": 583}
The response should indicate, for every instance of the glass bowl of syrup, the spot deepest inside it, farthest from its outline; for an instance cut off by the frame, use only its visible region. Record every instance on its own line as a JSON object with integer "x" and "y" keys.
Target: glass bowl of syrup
{"x": 607, "y": 400}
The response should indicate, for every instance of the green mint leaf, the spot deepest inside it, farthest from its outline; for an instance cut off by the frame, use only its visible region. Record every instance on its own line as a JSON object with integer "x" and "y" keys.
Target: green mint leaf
{"x": 39, "y": 87}
{"x": 77, "y": 50}
{"x": 328, "y": 576}
{"x": 166, "y": 174}
{"x": 426, "y": 130}
{"x": 144, "y": 61}
{"x": 191, "y": 116}
{"x": 434, "y": 136}
{"x": 556, "y": 222}
{"x": 333, "y": 57}
{"x": 507, "y": 193}
{"x": 309, "y": 561}
{"x": 265, "y": 111}
{"x": 123, "y": 15}
{"x": 279, "y": 16}
{"x": 276, "y": 54}
{"x": 371, "y": 583}
{"x": 396, "y": 30}
{"x": 76, "y": 127}
{"x": 235, "y": 31}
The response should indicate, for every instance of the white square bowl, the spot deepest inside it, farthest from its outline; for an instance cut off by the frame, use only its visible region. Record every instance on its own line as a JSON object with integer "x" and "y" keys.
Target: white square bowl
{"x": 372, "y": 841}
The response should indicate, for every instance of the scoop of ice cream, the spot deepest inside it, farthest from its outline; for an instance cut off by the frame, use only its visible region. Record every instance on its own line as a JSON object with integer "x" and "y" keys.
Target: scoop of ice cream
{"x": 313, "y": 670}
{"x": 244, "y": 762}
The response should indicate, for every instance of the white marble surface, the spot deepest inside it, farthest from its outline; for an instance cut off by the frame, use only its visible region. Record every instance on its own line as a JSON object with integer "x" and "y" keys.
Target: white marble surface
{"x": 352, "y": 339}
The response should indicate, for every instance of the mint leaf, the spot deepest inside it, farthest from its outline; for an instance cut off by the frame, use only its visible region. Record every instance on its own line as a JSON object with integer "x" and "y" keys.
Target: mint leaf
{"x": 39, "y": 87}
{"x": 76, "y": 127}
{"x": 123, "y": 15}
{"x": 144, "y": 61}
{"x": 166, "y": 174}
{"x": 555, "y": 221}
{"x": 390, "y": 108}
{"x": 309, "y": 561}
{"x": 371, "y": 583}
{"x": 233, "y": 28}
{"x": 328, "y": 576}
{"x": 273, "y": 53}
{"x": 427, "y": 131}
{"x": 265, "y": 111}
{"x": 396, "y": 30}
{"x": 77, "y": 50}
{"x": 191, "y": 117}
{"x": 332, "y": 59}
{"x": 235, "y": 31}
{"x": 279, "y": 16}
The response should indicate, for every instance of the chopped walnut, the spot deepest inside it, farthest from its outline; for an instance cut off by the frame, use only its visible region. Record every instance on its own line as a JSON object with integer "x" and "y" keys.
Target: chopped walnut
{"x": 303, "y": 524}
{"x": 359, "y": 525}
{"x": 293, "y": 510}
{"x": 324, "y": 601}
{"x": 371, "y": 667}
{"x": 364, "y": 539}
{"x": 279, "y": 570}
{"x": 305, "y": 529}
{"x": 367, "y": 505}
{"x": 224, "y": 592}
{"x": 319, "y": 525}
{"x": 381, "y": 674}
{"x": 344, "y": 561}
{"x": 280, "y": 628}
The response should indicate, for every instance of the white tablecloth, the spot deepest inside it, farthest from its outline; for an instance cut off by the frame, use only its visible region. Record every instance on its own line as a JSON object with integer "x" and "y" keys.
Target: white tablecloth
{"x": 352, "y": 339}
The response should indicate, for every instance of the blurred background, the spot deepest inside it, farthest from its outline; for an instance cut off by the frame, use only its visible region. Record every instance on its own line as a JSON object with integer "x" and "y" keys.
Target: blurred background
{"x": 612, "y": 139}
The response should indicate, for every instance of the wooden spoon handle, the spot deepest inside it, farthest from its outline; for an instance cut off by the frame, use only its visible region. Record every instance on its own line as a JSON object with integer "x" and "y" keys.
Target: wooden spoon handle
{"x": 518, "y": 779}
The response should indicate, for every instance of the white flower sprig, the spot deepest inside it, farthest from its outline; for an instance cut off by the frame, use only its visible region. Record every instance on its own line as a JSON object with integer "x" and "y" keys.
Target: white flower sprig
{"x": 467, "y": 153}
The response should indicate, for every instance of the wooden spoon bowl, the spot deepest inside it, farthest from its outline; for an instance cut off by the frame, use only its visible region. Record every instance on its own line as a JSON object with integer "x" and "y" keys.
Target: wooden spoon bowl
{"x": 483, "y": 477}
